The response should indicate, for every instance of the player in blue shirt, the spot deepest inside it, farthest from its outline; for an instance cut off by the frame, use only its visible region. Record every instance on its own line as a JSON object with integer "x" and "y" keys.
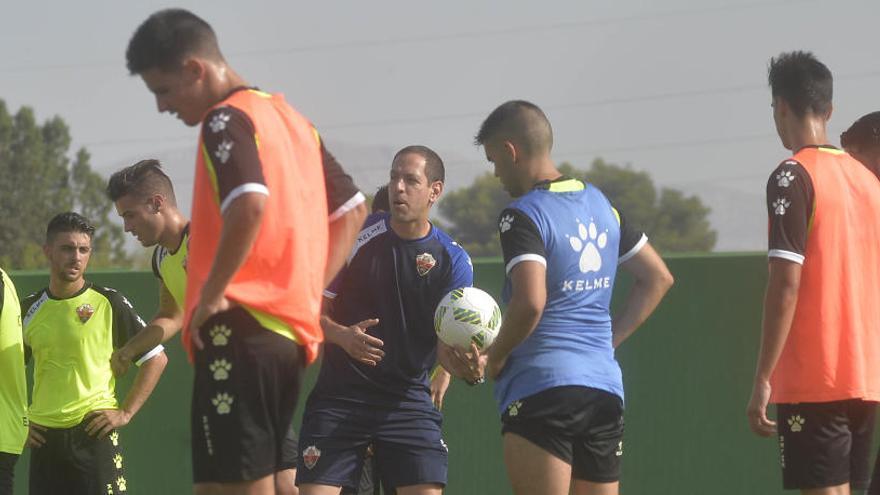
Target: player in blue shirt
{"x": 558, "y": 385}
{"x": 399, "y": 270}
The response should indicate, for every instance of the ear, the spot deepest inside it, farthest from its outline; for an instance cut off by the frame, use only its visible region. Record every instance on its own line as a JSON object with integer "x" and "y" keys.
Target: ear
{"x": 157, "y": 202}
{"x": 511, "y": 151}
{"x": 46, "y": 250}
{"x": 194, "y": 69}
{"x": 830, "y": 111}
{"x": 436, "y": 191}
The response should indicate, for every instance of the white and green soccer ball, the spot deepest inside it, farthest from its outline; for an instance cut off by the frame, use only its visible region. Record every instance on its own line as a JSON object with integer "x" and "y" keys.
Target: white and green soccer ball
{"x": 467, "y": 315}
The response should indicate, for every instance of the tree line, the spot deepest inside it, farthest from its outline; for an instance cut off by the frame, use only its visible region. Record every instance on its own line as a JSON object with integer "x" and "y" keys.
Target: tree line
{"x": 40, "y": 179}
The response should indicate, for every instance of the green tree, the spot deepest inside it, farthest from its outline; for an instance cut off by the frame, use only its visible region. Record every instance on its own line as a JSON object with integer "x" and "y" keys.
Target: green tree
{"x": 39, "y": 181}
{"x": 674, "y": 222}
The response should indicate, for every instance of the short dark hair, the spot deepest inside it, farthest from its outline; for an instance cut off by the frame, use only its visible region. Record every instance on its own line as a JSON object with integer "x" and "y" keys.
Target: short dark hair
{"x": 68, "y": 222}
{"x": 380, "y": 200}
{"x": 167, "y": 38}
{"x": 434, "y": 169}
{"x": 143, "y": 179}
{"x": 864, "y": 134}
{"x": 802, "y": 81}
{"x": 520, "y": 122}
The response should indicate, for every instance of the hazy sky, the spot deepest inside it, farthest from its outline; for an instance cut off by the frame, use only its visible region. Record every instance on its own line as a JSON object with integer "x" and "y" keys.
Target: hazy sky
{"x": 676, "y": 88}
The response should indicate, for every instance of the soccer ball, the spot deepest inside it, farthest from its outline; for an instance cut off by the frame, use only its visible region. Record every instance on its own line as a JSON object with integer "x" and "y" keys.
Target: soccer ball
{"x": 467, "y": 315}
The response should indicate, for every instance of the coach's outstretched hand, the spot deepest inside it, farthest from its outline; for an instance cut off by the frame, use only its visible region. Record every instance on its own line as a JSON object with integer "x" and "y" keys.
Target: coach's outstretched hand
{"x": 355, "y": 340}
{"x": 757, "y": 410}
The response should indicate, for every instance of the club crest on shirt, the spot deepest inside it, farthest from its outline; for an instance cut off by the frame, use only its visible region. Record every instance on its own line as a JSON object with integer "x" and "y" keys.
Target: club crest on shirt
{"x": 310, "y": 456}
{"x": 84, "y": 312}
{"x": 424, "y": 263}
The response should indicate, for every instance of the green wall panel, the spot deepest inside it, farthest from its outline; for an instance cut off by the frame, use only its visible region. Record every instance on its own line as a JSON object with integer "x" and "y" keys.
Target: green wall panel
{"x": 687, "y": 374}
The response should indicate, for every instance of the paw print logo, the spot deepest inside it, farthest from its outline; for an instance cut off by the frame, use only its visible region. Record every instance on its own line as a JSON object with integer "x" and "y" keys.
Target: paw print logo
{"x": 223, "y": 403}
{"x": 784, "y": 179}
{"x": 220, "y": 335}
{"x": 796, "y": 423}
{"x": 505, "y": 223}
{"x": 619, "y": 451}
{"x": 117, "y": 460}
{"x": 109, "y": 488}
{"x": 120, "y": 484}
{"x": 585, "y": 243}
{"x": 780, "y": 206}
{"x": 218, "y": 123}
{"x": 220, "y": 368}
{"x": 223, "y": 151}
{"x": 114, "y": 438}
{"x": 513, "y": 409}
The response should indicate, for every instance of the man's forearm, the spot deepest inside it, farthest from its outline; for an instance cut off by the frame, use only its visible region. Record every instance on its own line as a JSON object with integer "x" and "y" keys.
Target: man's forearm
{"x": 341, "y": 236}
{"x": 144, "y": 383}
{"x": 519, "y": 322}
{"x": 332, "y": 330}
{"x": 779, "y": 306}
{"x": 241, "y": 224}
{"x": 642, "y": 300}
{"x": 780, "y": 302}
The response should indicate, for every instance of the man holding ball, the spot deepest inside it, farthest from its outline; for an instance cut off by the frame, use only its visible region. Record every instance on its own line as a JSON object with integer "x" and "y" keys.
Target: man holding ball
{"x": 558, "y": 385}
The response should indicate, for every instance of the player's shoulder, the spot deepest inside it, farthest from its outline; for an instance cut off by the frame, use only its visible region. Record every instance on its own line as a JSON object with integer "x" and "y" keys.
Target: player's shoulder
{"x": 787, "y": 173}
{"x": 112, "y": 295}
{"x": 375, "y": 225}
{"x": 451, "y": 246}
{"x": 32, "y": 298}
{"x": 220, "y": 118}
{"x": 32, "y": 303}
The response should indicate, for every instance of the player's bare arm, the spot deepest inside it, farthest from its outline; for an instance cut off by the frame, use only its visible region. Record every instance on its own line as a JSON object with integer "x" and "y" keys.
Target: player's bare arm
{"x": 164, "y": 325}
{"x": 528, "y": 297}
{"x": 102, "y": 422}
{"x": 241, "y": 224}
{"x": 341, "y": 236}
{"x": 652, "y": 281}
{"x": 354, "y": 340}
{"x": 780, "y": 301}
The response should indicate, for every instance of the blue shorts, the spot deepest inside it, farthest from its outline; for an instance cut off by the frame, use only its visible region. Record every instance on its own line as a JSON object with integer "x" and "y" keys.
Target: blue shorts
{"x": 407, "y": 444}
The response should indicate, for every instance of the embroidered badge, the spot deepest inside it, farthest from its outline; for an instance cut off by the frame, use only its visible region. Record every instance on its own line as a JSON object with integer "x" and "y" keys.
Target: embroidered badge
{"x": 310, "y": 456}
{"x": 424, "y": 263}
{"x": 84, "y": 312}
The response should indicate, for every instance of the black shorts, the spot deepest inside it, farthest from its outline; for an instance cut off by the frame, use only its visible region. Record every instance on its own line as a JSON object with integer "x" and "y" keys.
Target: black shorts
{"x": 7, "y": 472}
{"x": 824, "y": 444}
{"x": 76, "y": 463}
{"x": 582, "y": 426}
{"x": 247, "y": 380}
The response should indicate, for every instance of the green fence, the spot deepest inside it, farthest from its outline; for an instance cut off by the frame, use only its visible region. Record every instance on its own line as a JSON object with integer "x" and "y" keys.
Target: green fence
{"x": 687, "y": 374}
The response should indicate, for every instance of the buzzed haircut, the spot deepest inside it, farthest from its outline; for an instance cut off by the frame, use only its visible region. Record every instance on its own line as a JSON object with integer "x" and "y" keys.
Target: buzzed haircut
{"x": 143, "y": 179}
{"x": 68, "y": 222}
{"x": 380, "y": 200}
{"x": 520, "y": 122}
{"x": 167, "y": 38}
{"x": 434, "y": 169}
{"x": 803, "y": 82}
{"x": 864, "y": 134}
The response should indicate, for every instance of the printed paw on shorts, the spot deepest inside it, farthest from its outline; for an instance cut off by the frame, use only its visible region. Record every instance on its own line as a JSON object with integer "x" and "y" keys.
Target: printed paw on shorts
{"x": 223, "y": 403}
{"x": 220, "y": 335}
{"x": 220, "y": 368}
